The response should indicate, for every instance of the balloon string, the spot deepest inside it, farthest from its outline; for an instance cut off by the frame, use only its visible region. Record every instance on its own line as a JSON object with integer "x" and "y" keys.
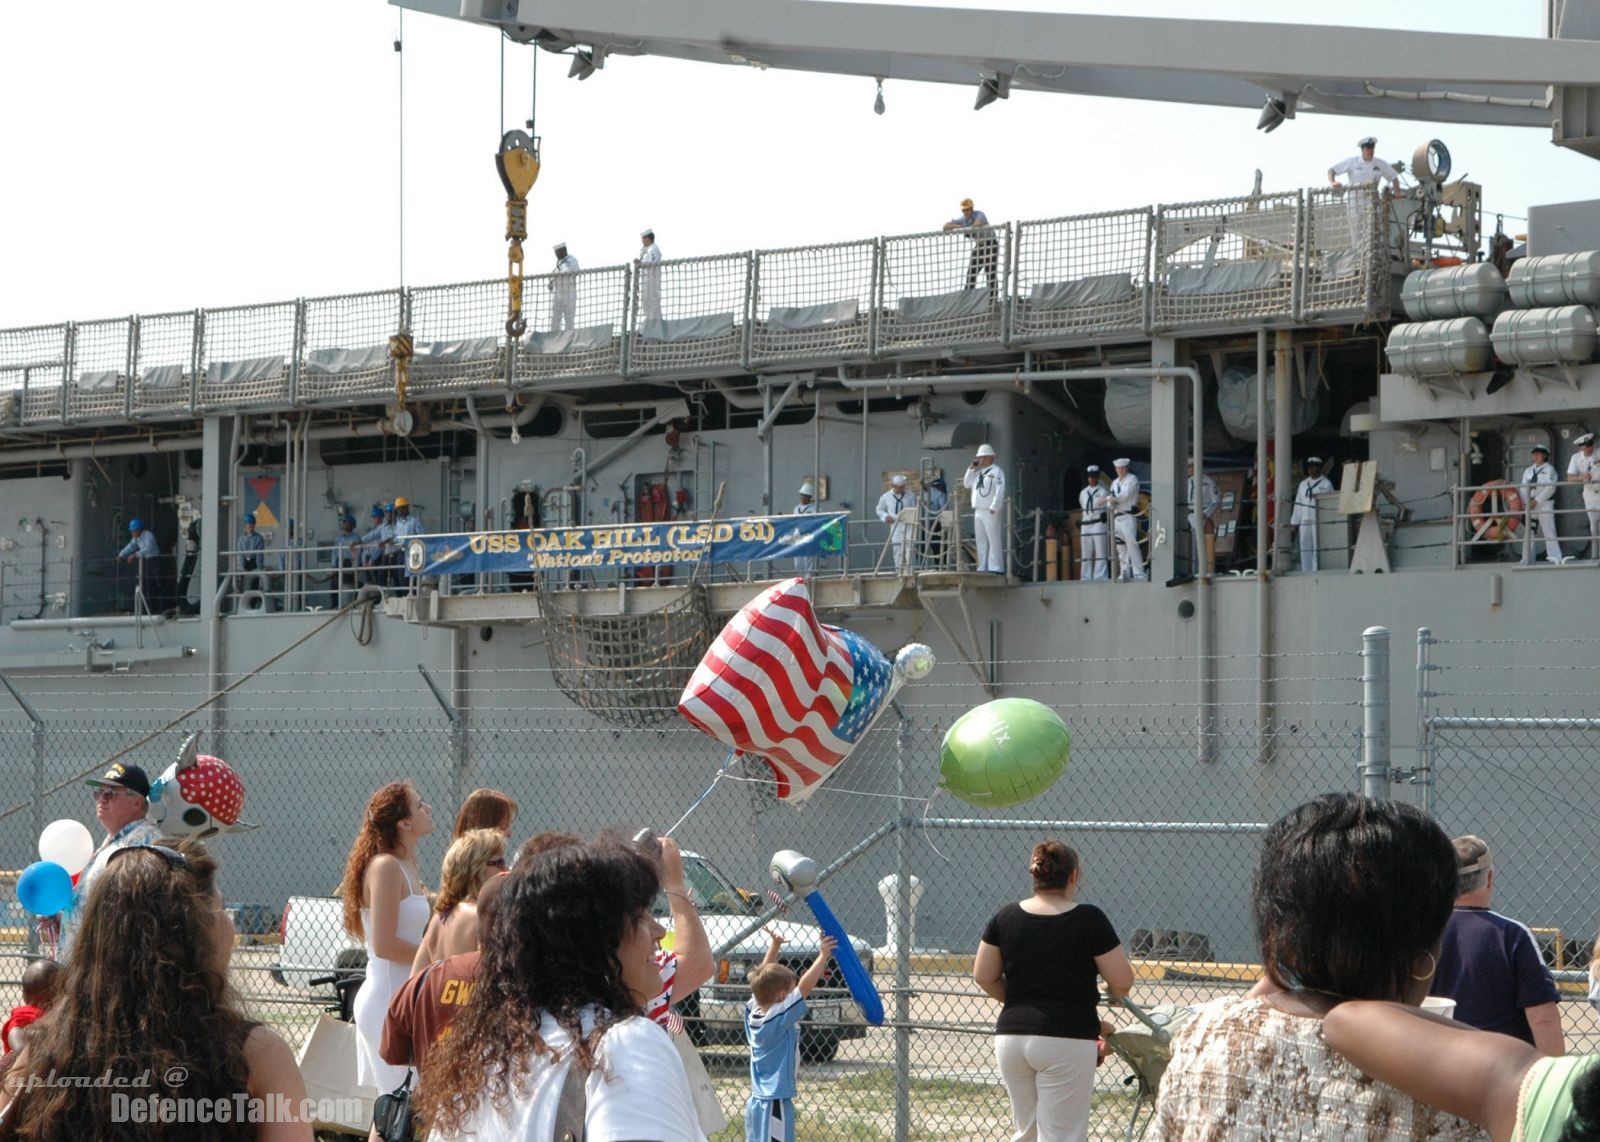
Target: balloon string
{"x": 732, "y": 754}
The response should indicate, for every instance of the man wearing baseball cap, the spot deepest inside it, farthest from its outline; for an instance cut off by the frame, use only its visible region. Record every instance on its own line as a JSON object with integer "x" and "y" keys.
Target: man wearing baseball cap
{"x": 1094, "y": 556}
{"x": 563, "y": 290}
{"x": 1364, "y": 171}
{"x": 1584, "y": 469}
{"x": 987, "y": 482}
{"x": 985, "y": 258}
{"x": 121, "y": 800}
{"x": 1539, "y": 494}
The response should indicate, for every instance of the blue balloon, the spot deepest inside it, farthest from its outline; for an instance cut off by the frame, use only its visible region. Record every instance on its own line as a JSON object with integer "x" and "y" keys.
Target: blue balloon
{"x": 862, "y": 989}
{"x": 44, "y": 888}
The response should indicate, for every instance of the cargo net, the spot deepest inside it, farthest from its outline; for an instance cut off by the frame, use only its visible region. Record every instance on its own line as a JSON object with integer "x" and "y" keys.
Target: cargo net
{"x": 628, "y": 670}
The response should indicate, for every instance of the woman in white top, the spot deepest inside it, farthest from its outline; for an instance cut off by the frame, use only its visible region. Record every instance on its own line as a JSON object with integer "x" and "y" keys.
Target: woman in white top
{"x": 385, "y": 906}
{"x": 567, "y": 966}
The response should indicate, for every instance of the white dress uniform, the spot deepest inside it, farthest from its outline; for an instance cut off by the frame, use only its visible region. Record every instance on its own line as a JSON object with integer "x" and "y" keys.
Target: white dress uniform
{"x": 898, "y": 508}
{"x": 988, "y": 486}
{"x": 1124, "y": 500}
{"x": 650, "y": 282}
{"x": 1210, "y": 500}
{"x": 808, "y": 564}
{"x": 1094, "y": 561}
{"x": 1587, "y": 469}
{"x": 564, "y": 294}
{"x": 1304, "y": 517}
{"x": 1539, "y": 494}
{"x": 1362, "y": 195}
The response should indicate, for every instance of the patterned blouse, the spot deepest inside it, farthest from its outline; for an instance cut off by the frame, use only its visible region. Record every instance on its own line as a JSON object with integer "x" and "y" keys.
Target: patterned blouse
{"x": 1242, "y": 1069}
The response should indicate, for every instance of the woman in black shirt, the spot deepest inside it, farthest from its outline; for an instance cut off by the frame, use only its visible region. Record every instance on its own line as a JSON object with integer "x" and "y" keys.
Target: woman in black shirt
{"x": 1041, "y": 959}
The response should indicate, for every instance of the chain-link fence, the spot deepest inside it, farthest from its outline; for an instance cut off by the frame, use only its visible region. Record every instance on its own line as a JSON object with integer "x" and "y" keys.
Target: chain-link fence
{"x": 1512, "y": 762}
{"x": 1168, "y": 840}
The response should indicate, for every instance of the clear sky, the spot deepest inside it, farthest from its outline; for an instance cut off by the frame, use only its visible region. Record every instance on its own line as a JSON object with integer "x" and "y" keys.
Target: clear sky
{"x": 173, "y": 154}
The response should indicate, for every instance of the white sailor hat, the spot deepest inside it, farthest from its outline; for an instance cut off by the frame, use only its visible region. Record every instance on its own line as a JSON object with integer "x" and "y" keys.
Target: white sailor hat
{"x": 647, "y": 233}
{"x": 1310, "y": 460}
{"x": 1368, "y": 141}
{"x": 1121, "y": 463}
{"x": 1092, "y": 468}
{"x": 1586, "y": 438}
{"x": 898, "y": 479}
{"x": 985, "y": 450}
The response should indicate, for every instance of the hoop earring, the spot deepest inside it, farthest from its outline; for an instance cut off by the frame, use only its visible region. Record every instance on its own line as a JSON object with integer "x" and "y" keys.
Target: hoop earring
{"x": 1433, "y": 966}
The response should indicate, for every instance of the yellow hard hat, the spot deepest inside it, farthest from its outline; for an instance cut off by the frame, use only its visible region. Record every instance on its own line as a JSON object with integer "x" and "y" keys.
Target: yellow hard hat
{"x": 401, "y": 502}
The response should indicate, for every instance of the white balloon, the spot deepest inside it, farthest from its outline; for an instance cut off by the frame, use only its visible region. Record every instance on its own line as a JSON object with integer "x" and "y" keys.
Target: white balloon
{"x": 67, "y": 843}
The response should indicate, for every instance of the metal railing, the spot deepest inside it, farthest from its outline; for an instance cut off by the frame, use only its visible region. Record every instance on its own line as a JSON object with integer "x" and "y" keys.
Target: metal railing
{"x": 1225, "y": 264}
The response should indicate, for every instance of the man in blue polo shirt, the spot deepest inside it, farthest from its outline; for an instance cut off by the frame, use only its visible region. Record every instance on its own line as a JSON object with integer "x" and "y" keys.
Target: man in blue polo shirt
{"x": 1490, "y": 965}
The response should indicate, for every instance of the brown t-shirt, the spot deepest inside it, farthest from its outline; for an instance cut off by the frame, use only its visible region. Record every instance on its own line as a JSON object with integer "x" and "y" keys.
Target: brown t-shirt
{"x": 424, "y": 1008}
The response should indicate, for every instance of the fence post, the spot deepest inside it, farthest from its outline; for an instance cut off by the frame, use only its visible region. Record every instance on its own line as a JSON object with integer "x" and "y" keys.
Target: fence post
{"x": 38, "y": 784}
{"x": 1375, "y": 770}
{"x": 1425, "y": 693}
{"x": 902, "y": 950}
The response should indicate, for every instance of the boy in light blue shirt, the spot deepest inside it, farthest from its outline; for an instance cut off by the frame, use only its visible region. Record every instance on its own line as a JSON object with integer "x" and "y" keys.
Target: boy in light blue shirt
{"x": 772, "y": 1028}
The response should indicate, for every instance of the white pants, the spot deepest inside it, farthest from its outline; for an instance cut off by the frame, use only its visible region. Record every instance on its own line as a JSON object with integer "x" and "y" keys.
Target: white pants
{"x": 1545, "y": 516}
{"x": 1128, "y": 554}
{"x": 1095, "y": 562}
{"x": 1308, "y": 547}
{"x": 900, "y": 544}
{"x": 991, "y": 548}
{"x": 1050, "y": 1082}
{"x": 563, "y": 311}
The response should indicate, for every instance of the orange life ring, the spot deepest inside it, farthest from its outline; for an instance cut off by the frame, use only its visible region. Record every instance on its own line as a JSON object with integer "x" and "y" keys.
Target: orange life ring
{"x": 1495, "y": 512}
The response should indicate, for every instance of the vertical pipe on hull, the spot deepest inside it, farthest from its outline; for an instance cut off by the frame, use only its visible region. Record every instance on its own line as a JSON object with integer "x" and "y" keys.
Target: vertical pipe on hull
{"x": 1264, "y": 710}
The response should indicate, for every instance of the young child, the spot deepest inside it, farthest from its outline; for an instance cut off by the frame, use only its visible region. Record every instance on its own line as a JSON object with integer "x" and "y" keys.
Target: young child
{"x": 772, "y": 1028}
{"x": 38, "y": 992}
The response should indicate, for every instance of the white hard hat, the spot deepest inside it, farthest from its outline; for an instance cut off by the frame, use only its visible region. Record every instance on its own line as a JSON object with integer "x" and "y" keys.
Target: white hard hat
{"x": 1122, "y": 463}
{"x": 898, "y": 480}
{"x": 985, "y": 450}
{"x": 808, "y": 489}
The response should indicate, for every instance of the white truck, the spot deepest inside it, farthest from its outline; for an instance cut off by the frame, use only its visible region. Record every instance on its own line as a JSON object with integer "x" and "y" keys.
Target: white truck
{"x": 315, "y": 946}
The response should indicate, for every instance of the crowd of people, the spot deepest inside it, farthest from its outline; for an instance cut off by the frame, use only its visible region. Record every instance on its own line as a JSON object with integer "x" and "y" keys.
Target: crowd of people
{"x": 531, "y": 994}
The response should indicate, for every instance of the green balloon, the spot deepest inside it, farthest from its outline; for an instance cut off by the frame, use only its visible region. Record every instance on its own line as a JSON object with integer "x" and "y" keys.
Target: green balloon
{"x": 1004, "y": 752}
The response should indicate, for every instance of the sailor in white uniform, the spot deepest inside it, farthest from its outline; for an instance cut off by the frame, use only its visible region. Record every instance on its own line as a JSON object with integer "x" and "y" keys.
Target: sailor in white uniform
{"x": 806, "y": 506}
{"x": 1124, "y": 500}
{"x": 898, "y": 508}
{"x": 648, "y": 261}
{"x": 1539, "y": 494}
{"x": 1304, "y": 517}
{"x": 1364, "y": 171}
{"x": 1584, "y": 468}
{"x": 564, "y": 291}
{"x": 1094, "y": 558}
{"x": 987, "y": 482}
{"x": 1210, "y": 499}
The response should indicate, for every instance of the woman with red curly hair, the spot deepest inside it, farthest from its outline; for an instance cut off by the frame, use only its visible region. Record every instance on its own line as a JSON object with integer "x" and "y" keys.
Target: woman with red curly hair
{"x": 385, "y": 907}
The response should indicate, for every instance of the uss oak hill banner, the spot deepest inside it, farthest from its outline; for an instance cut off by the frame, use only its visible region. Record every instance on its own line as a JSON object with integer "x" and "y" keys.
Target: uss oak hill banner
{"x": 751, "y": 540}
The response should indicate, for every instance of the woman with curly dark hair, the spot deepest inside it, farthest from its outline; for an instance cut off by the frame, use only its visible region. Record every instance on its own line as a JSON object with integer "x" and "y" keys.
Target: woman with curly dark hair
{"x": 566, "y": 969}
{"x": 386, "y": 907}
{"x": 145, "y": 993}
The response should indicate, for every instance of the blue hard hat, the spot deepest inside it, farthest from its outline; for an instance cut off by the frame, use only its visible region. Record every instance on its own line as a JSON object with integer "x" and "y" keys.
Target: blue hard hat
{"x": 136, "y": 524}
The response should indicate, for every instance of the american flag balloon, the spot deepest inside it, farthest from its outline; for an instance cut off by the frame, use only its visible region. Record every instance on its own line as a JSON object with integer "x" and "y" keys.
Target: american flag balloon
{"x": 780, "y": 685}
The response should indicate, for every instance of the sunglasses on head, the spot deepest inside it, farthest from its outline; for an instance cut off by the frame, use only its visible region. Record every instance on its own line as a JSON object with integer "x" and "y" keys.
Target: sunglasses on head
{"x": 173, "y": 857}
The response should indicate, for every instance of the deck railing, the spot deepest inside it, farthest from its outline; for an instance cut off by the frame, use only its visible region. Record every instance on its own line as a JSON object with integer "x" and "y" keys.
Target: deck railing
{"x": 1226, "y": 264}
